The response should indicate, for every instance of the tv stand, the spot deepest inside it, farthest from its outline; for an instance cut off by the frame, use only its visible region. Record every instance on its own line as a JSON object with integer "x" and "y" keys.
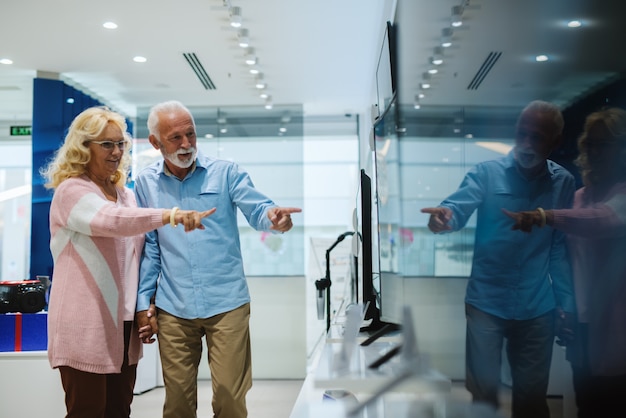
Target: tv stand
{"x": 378, "y": 329}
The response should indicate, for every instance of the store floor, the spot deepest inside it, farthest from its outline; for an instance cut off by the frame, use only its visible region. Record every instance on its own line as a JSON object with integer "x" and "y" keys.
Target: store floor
{"x": 276, "y": 398}
{"x": 266, "y": 399}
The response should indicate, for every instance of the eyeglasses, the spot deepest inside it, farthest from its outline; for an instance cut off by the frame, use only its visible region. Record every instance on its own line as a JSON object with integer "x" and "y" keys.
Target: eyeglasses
{"x": 109, "y": 145}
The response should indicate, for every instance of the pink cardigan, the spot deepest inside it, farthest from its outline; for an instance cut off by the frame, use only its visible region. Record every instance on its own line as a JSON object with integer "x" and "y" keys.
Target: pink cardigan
{"x": 86, "y": 308}
{"x": 597, "y": 242}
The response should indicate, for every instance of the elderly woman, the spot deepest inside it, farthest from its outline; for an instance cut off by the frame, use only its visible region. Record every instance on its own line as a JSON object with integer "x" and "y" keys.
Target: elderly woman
{"x": 596, "y": 228}
{"x": 97, "y": 234}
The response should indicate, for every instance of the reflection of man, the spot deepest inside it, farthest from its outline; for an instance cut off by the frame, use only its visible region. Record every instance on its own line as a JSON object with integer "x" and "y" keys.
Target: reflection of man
{"x": 198, "y": 278}
{"x": 517, "y": 281}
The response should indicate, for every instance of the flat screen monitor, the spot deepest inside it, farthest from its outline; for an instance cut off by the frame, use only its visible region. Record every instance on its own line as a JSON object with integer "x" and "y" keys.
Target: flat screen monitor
{"x": 368, "y": 295}
{"x": 386, "y": 69}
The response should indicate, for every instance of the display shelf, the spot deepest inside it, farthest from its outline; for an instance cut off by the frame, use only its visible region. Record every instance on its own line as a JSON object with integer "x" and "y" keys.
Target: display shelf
{"x": 359, "y": 378}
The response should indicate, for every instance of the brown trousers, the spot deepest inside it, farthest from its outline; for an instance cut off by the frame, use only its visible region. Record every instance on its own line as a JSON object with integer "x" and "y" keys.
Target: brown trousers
{"x": 91, "y": 395}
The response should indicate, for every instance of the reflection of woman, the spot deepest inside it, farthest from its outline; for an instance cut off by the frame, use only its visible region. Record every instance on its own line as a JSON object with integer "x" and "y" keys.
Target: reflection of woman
{"x": 96, "y": 240}
{"x": 596, "y": 227}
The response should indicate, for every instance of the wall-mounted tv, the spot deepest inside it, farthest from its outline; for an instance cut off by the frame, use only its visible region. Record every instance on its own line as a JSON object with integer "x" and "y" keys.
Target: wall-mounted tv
{"x": 386, "y": 78}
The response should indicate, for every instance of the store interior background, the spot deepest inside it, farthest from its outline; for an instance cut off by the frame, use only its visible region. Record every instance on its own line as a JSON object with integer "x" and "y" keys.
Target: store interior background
{"x": 321, "y": 64}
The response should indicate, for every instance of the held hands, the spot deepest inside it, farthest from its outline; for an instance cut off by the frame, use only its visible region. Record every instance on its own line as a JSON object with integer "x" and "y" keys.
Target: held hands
{"x": 564, "y": 327}
{"x": 147, "y": 324}
{"x": 281, "y": 218}
{"x": 439, "y": 218}
{"x": 191, "y": 219}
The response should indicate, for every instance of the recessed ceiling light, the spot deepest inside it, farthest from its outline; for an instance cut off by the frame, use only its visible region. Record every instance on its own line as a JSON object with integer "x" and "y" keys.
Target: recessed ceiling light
{"x": 541, "y": 58}
{"x": 109, "y": 25}
{"x": 574, "y": 23}
{"x": 6, "y": 61}
{"x": 235, "y": 17}
{"x": 139, "y": 58}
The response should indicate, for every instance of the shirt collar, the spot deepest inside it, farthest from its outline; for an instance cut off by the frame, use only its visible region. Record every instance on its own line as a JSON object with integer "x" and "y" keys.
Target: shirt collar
{"x": 548, "y": 167}
{"x": 168, "y": 173}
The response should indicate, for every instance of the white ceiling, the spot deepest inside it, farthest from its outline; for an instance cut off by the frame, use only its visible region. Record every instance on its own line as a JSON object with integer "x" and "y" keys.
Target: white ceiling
{"x": 321, "y": 53}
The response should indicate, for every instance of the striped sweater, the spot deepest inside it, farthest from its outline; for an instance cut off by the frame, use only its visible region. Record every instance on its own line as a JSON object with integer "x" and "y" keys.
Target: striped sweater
{"x": 88, "y": 242}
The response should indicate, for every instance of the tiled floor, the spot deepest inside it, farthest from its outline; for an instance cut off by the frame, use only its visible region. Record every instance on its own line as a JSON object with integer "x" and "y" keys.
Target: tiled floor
{"x": 276, "y": 398}
{"x": 266, "y": 399}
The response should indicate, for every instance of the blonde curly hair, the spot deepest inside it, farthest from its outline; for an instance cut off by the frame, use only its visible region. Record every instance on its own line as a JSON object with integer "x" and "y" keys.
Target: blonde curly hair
{"x": 614, "y": 120}
{"x": 71, "y": 159}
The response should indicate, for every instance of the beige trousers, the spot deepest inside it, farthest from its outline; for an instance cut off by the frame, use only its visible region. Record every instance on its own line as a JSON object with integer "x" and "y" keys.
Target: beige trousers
{"x": 180, "y": 346}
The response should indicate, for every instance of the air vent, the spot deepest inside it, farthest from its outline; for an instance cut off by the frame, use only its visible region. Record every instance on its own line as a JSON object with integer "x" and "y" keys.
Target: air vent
{"x": 484, "y": 70}
{"x": 197, "y": 68}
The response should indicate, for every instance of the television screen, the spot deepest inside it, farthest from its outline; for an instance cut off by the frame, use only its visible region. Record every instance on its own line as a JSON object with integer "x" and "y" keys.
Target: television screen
{"x": 366, "y": 289}
{"x": 386, "y": 69}
{"x": 387, "y": 208}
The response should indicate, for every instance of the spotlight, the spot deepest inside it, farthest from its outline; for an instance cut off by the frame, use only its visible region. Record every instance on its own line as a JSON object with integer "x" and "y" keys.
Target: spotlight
{"x": 426, "y": 83}
{"x": 260, "y": 82}
{"x": 457, "y": 16}
{"x": 235, "y": 17}
{"x": 244, "y": 39}
{"x": 437, "y": 58}
{"x": 250, "y": 57}
{"x": 446, "y": 37}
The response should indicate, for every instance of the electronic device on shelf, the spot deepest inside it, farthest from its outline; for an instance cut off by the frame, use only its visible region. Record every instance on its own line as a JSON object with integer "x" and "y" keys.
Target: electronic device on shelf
{"x": 26, "y": 296}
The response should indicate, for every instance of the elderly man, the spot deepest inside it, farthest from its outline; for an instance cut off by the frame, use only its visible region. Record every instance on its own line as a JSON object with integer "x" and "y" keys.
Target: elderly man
{"x": 518, "y": 282}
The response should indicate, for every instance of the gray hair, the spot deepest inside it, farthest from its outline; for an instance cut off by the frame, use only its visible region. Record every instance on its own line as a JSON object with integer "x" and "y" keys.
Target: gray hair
{"x": 164, "y": 107}
{"x": 549, "y": 109}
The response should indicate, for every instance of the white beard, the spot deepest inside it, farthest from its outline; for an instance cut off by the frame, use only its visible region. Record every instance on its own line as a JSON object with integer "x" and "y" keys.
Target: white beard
{"x": 527, "y": 159}
{"x": 174, "y": 157}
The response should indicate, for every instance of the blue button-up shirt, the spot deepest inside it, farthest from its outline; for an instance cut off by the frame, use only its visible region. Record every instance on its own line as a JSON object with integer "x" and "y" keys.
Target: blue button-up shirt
{"x": 198, "y": 274}
{"x": 515, "y": 275}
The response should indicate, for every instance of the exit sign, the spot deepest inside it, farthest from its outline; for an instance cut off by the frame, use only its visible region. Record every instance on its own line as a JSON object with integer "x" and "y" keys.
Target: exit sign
{"x": 20, "y": 130}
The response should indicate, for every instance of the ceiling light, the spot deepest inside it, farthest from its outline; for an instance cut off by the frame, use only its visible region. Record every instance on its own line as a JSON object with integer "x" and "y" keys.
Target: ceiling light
{"x": 250, "y": 57}
{"x": 109, "y": 25}
{"x": 541, "y": 58}
{"x": 433, "y": 71}
{"x": 457, "y": 16}
{"x": 255, "y": 69}
{"x": 139, "y": 58}
{"x": 446, "y": 37}
{"x": 416, "y": 103}
{"x": 282, "y": 129}
{"x": 421, "y": 95}
{"x": 425, "y": 84}
{"x": 437, "y": 58}
{"x": 264, "y": 95}
{"x": 260, "y": 82}
{"x": 235, "y": 17}
{"x": 268, "y": 102}
{"x": 574, "y": 24}
{"x": 6, "y": 61}
{"x": 244, "y": 39}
